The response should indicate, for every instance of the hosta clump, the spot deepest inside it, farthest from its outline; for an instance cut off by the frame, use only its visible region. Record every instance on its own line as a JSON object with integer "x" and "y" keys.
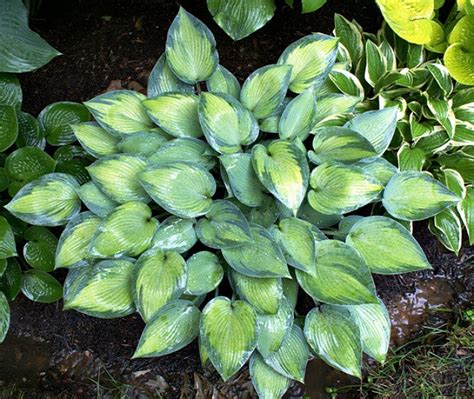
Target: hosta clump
{"x": 205, "y": 212}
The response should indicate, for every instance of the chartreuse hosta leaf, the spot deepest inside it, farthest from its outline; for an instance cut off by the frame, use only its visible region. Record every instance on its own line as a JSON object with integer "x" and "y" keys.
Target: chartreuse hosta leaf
{"x": 312, "y": 58}
{"x": 39, "y": 286}
{"x": 39, "y": 250}
{"x": 8, "y": 126}
{"x": 49, "y": 201}
{"x": 467, "y": 213}
{"x": 159, "y": 277}
{"x": 120, "y": 112}
{"x": 283, "y": 169}
{"x": 226, "y": 123}
{"x": 73, "y": 246}
{"x": 205, "y": 273}
{"x": 175, "y": 234}
{"x": 163, "y": 80}
{"x": 173, "y": 327}
{"x": 416, "y": 196}
{"x": 190, "y": 48}
{"x": 265, "y": 89}
{"x": 183, "y": 189}
{"x": 447, "y": 226}
{"x": 335, "y": 337}
{"x": 127, "y": 230}
{"x": 340, "y": 189}
{"x": 223, "y": 81}
{"x": 340, "y": 276}
{"x": 95, "y": 200}
{"x": 224, "y": 226}
{"x": 95, "y": 140}
{"x": 267, "y": 382}
{"x": 261, "y": 257}
{"x": 298, "y": 116}
{"x": 102, "y": 290}
{"x": 4, "y": 316}
{"x": 228, "y": 331}
{"x": 7, "y": 240}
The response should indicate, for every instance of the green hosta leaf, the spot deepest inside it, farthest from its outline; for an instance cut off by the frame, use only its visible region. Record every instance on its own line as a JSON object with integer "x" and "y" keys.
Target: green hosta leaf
{"x": 103, "y": 290}
{"x": 21, "y": 49}
{"x": 183, "y": 189}
{"x": 10, "y": 280}
{"x": 204, "y": 273}
{"x": 117, "y": 177}
{"x": 73, "y": 245}
{"x": 336, "y": 338}
{"x": 226, "y": 124}
{"x": 467, "y": 213}
{"x": 95, "y": 140}
{"x": 350, "y": 37}
{"x": 340, "y": 276}
{"x": 95, "y": 200}
{"x": 260, "y": 257}
{"x": 311, "y": 5}
{"x": 120, "y": 112}
{"x": 223, "y": 81}
{"x": 142, "y": 144}
{"x": 298, "y": 117}
{"x": 8, "y": 126}
{"x": 10, "y": 90}
{"x": 7, "y": 240}
{"x": 291, "y": 358}
{"x": 283, "y": 169}
{"x": 312, "y": 58}
{"x": 4, "y": 317}
{"x": 267, "y": 382}
{"x": 411, "y": 158}
{"x": 341, "y": 189}
{"x": 264, "y": 90}
{"x": 386, "y": 246}
{"x": 40, "y": 248}
{"x": 127, "y": 230}
{"x": 228, "y": 332}
{"x": 49, "y": 201}
{"x": 175, "y": 234}
{"x": 176, "y": 113}
{"x": 4, "y": 182}
{"x": 224, "y": 226}
{"x": 29, "y": 132}
{"x": 416, "y": 196}
{"x": 447, "y": 227}
{"x": 191, "y": 48}
{"x": 173, "y": 327}
{"x": 39, "y": 286}
{"x": 376, "y": 64}
{"x": 163, "y": 80}
{"x": 158, "y": 278}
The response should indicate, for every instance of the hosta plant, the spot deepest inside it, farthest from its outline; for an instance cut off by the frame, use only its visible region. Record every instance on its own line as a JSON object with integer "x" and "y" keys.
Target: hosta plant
{"x": 208, "y": 205}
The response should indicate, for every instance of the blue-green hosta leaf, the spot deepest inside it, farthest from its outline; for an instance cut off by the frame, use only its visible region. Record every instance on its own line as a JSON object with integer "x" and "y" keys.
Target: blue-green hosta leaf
{"x": 298, "y": 116}
{"x": 224, "y": 226}
{"x": 226, "y": 124}
{"x": 335, "y": 337}
{"x": 176, "y": 113}
{"x": 120, "y": 112}
{"x": 102, "y": 290}
{"x": 183, "y": 189}
{"x": 416, "y": 196}
{"x": 267, "y": 382}
{"x": 8, "y": 126}
{"x": 386, "y": 246}
{"x": 312, "y": 58}
{"x": 347, "y": 83}
{"x": 191, "y": 48}
{"x": 228, "y": 331}
{"x": 333, "y": 105}
{"x": 127, "y": 230}
{"x": 283, "y": 169}
{"x": 379, "y": 168}
{"x": 341, "y": 189}
{"x": 467, "y": 213}
{"x": 4, "y": 317}
{"x": 38, "y": 252}
{"x": 223, "y": 81}
{"x": 29, "y": 131}
{"x": 49, "y": 201}
{"x": 341, "y": 276}
{"x": 175, "y": 234}
{"x": 163, "y": 80}
{"x": 7, "y": 240}
{"x": 266, "y": 214}
{"x": 159, "y": 277}
{"x": 173, "y": 327}
{"x": 447, "y": 226}
{"x": 376, "y": 64}
{"x": 264, "y": 90}
{"x": 10, "y": 280}
{"x": 204, "y": 273}
{"x": 143, "y": 144}
{"x": 39, "y": 286}
{"x": 95, "y": 140}
{"x": 95, "y": 200}
{"x": 117, "y": 177}
{"x": 73, "y": 245}
{"x": 10, "y": 90}
{"x": 261, "y": 257}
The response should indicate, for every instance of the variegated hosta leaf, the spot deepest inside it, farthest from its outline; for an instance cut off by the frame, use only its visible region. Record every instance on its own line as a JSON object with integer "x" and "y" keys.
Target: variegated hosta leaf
{"x": 312, "y": 58}
{"x": 226, "y": 124}
{"x": 4, "y": 317}
{"x": 49, "y": 201}
{"x": 127, "y": 230}
{"x": 341, "y": 276}
{"x": 191, "y": 48}
{"x": 102, "y": 290}
{"x": 183, "y": 189}
{"x": 224, "y": 226}
{"x": 261, "y": 257}
{"x": 347, "y": 83}
{"x": 283, "y": 169}
{"x": 350, "y": 37}
{"x": 332, "y": 106}
{"x": 336, "y": 338}
{"x": 441, "y": 74}
{"x": 120, "y": 112}
{"x": 143, "y": 144}
{"x": 447, "y": 226}
{"x": 267, "y": 382}
{"x": 291, "y": 358}
{"x": 298, "y": 116}
{"x": 265, "y": 89}
{"x": 73, "y": 245}
{"x": 467, "y": 213}
{"x": 223, "y": 81}
{"x": 204, "y": 273}
{"x": 163, "y": 80}
{"x": 7, "y": 240}
{"x": 95, "y": 140}
{"x": 176, "y": 113}
{"x": 376, "y": 64}
{"x": 95, "y": 200}
{"x": 158, "y": 278}
{"x": 411, "y": 158}
{"x": 172, "y": 328}
{"x": 266, "y": 214}
{"x": 386, "y": 246}
{"x": 175, "y": 234}
{"x": 228, "y": 332}
{"x": 341, "y": 189}
{"x": 416, "y": 196}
